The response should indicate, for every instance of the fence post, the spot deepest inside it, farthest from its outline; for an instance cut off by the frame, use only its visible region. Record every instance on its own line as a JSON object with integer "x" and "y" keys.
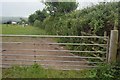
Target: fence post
{"x": 113, "y": 46}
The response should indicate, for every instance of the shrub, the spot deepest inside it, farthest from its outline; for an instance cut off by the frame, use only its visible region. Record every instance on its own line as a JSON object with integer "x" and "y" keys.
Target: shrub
{"x": 38, "y": 23}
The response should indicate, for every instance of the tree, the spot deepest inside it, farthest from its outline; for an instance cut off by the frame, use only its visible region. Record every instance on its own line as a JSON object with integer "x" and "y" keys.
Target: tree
{"x": 55, "y": 8}
{"x": 38, "y": 15}
{"x": 31, "y": 19}
{"x": 23, "y": 21}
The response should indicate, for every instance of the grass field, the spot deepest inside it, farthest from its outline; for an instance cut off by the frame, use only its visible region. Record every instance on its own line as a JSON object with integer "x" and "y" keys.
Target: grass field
{"x": 18, "y": 29}
{"x": 36, "y": 71}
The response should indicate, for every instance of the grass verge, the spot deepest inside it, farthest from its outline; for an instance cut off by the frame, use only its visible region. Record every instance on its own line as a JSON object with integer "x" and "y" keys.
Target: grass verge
{"x": 36, "y": 71}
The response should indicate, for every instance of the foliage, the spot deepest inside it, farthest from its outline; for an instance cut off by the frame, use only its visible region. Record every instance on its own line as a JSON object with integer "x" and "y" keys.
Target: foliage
{"x": 57, "y": 8}
{"x": 38, "y": 24}
{"x": 31, "y": 19}
{"x": 108, "y": 72}
{"x": 93, "y": 20}
{"x": 38, "y": 15}
{"x": 22, "y": 20}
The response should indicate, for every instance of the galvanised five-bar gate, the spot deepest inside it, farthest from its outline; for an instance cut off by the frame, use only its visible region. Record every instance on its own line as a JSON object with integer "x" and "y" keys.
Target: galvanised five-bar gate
{"x": 61, "y": 58}
{"x": 45, "y": 51}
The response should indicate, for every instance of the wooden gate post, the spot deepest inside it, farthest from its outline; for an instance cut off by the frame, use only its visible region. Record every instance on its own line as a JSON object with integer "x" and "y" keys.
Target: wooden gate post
{"x": 113, "y": 46}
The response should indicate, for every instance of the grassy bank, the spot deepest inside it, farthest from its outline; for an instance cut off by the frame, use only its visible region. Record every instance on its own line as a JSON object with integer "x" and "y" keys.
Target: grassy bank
{"x": 18, "y": 29}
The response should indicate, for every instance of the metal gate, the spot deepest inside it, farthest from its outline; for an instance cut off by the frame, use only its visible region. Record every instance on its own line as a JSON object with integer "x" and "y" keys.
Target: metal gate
{"x": 49, "y": 52}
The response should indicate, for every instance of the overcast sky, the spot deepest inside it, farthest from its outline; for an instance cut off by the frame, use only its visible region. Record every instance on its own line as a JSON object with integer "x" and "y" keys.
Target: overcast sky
{"x": 23, "y": 8}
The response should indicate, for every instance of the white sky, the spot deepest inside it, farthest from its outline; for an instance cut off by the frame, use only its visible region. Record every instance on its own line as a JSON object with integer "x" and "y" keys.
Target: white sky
{"x": 20, "y": 9}
{"x": 64, "y": 0}
{"x": 23, "y": 8}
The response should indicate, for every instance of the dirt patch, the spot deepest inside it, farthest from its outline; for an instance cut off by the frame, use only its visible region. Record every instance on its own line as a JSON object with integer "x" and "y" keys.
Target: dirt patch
{"x": 46, "y": 59}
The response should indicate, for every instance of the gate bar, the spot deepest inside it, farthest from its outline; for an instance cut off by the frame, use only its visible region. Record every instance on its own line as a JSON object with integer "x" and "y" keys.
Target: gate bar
{"x": 30, "y": 55}
{"x": 53, "y": 43}
{"x": 53, "y": 50}
{"x": 50, "y": 61}
{"x": 52, "y": 36}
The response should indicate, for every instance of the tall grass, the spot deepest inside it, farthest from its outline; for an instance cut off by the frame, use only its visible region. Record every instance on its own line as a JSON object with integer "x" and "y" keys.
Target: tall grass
{"x": 18, "y": 29}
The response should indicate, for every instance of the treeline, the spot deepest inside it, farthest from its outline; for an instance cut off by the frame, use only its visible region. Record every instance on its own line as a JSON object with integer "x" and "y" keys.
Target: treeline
{"x": 60, "y": 19}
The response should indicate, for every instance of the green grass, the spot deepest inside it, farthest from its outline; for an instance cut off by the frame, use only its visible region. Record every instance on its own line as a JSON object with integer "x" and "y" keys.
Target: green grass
{"x": 19, "y": 30}
{"x": 36, "y": 71}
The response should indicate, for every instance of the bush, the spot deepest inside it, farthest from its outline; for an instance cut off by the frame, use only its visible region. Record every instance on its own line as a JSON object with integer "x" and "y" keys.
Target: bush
{"x": 108, "y": 72}
{"x": 38, "y": 23}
